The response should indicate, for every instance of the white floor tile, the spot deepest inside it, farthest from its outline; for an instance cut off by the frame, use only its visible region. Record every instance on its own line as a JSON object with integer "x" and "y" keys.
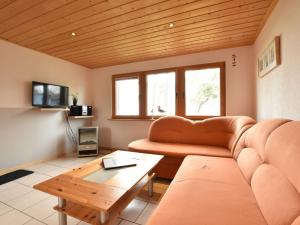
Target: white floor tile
{"x": 61, "y": 160}
{"x": 14, "y": 192}
{"x": 28, "y": 200}
{"x": 50, "y": 170}
{"x": 88, "y": 159}
{"x": 83, "y": 223}
{"x": 43, "y": 209}
{"x": 4, "y": 208}
{"x": 124, "y": 222}
{"x": 147, "y": 212}
{"x": 8, "y": 185}
{"x": 43, "y": 168}
{"x": 70, "y": 163}
{"x": 36, "y": 166}
{"x": 57, "y": 171}
{"x": 34, "y": 222}
{"x": 32, "y": 179}
{"x": 53, "y": 220}
{"x": 14, "y": 217}
{"x": 61, "y": 163}
{"x": 133, "y": 210}
{"x": 116, "y": 222}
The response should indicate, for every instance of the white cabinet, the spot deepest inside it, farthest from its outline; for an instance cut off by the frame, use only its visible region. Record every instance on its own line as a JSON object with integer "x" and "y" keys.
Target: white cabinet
{"x": 87, "y": 141}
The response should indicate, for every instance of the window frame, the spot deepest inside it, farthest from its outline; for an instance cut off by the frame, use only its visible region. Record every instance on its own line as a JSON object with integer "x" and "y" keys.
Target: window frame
{"x": 125, "y": 77}
{"x": 222, "y": 89}
{"x": 156, "y": 72}
{"x": 179, "y": 90}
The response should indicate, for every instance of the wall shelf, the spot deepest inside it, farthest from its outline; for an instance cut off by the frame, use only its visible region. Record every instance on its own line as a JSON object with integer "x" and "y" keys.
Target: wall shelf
{"x": 54, "y": 109}
{"x": 81, "y": 117}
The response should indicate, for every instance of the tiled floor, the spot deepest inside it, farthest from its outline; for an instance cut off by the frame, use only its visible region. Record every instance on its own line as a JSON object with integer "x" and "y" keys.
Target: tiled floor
{"x": 21, "y": 204}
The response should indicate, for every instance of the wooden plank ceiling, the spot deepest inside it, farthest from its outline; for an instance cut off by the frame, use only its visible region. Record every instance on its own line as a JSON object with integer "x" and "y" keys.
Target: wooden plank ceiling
{"x": 110, "y": 32}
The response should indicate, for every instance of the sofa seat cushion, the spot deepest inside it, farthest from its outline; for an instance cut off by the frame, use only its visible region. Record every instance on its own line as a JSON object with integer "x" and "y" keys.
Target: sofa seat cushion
{"x": 210, "y": 191}
{"x": 177, "y": 150}
{"x": 215, "y": 169}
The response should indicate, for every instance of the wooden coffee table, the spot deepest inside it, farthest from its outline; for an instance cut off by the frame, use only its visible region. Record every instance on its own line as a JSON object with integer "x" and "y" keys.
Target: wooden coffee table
{"x": 97, "y": 196}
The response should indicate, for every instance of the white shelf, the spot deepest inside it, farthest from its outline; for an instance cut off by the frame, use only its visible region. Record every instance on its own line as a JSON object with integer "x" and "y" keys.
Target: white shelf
{"x": 53, "y": 109}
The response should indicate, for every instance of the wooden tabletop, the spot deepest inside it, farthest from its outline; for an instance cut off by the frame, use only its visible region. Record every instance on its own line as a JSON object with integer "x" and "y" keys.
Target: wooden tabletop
{"x": 100, "y": 196}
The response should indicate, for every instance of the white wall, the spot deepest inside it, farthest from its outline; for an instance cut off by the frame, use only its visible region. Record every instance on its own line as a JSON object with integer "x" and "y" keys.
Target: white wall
{"x": 25, "y": 134}
{"x": 278, "y": 92}
{"x": 239, "y": 91}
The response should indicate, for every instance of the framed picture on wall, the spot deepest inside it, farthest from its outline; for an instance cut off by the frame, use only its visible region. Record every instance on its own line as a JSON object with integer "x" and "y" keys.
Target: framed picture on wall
{"x": 270, "y": 58}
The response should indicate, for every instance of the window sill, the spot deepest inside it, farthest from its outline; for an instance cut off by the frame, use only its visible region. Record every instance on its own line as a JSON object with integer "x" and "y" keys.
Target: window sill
{"x": 195, "y": 118}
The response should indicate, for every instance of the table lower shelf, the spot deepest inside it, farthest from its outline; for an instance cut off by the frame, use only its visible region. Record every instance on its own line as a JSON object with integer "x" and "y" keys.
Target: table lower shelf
{"x": 92, "y": 216}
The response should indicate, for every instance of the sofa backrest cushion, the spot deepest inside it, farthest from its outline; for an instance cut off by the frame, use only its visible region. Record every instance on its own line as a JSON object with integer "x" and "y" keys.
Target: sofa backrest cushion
{"x": 274, "y": 175}
{"x": 219, "y": 131}
{"x": 251, "y": 147}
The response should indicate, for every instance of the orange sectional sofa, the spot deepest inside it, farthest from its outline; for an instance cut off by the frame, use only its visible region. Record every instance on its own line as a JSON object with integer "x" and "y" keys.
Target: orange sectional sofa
{"x": 176, "y": 137}
{"x": 260, "y": 185}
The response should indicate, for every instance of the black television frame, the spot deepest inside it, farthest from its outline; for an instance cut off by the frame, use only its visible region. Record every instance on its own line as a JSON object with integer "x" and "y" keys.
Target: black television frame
{"x": 44, "y": 105}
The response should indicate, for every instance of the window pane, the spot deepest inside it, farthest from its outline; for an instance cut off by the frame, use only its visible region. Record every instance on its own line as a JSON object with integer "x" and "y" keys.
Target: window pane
{"x": 127, "y": 97}
{"x": 161, "y": 94}
{"x": 202, "y": 92}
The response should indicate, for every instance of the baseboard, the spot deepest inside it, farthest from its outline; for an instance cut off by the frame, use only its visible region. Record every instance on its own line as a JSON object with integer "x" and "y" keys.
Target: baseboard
{"x": 103, "y": 150}
{"x": 107, "y": 150}
{"x": 25, "y": 165}
{"x": 20, "y": 166}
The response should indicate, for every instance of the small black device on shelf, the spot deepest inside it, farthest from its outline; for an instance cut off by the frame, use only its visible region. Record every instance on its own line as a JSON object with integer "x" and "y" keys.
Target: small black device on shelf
{"x": 81, "y": 110}
{"x": 46, "y": 95}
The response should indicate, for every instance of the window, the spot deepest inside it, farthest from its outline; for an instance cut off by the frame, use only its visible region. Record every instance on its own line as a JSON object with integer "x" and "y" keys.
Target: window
{"x": 161, "y": 94}
{"x": 127, "y": 96}
{"x": 196, "y": 92}
{"x": 202, "y": 92}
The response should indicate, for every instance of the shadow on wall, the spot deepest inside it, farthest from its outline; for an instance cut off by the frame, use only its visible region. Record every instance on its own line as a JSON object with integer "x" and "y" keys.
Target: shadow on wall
{"x": 105, "y": 137}
{"x": 47, "y": 131}
{"x": 28, "y": 92}
{"x": 61, "y": 147}
{"x": 29, "y": 135}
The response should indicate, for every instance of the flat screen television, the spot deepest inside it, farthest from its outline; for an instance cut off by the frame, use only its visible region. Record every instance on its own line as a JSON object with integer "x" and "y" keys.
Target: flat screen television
{"x": 49, "y": 95}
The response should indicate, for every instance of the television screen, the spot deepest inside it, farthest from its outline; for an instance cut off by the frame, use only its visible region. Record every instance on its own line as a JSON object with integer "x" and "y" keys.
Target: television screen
{"x": 49, "y": 95}
{"x": 38, "y": 94}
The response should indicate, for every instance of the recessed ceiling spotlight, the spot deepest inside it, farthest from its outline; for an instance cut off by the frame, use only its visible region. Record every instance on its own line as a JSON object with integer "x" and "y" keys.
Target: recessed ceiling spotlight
{"x": 171, "y": 25}
{"x": 73, "y": 34}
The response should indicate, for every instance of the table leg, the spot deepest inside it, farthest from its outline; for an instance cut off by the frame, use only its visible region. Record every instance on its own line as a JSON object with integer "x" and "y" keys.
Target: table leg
{"x": 150, "y": 188}
{"x": 62, "y": 218}
{"x": 103, "y": 217}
